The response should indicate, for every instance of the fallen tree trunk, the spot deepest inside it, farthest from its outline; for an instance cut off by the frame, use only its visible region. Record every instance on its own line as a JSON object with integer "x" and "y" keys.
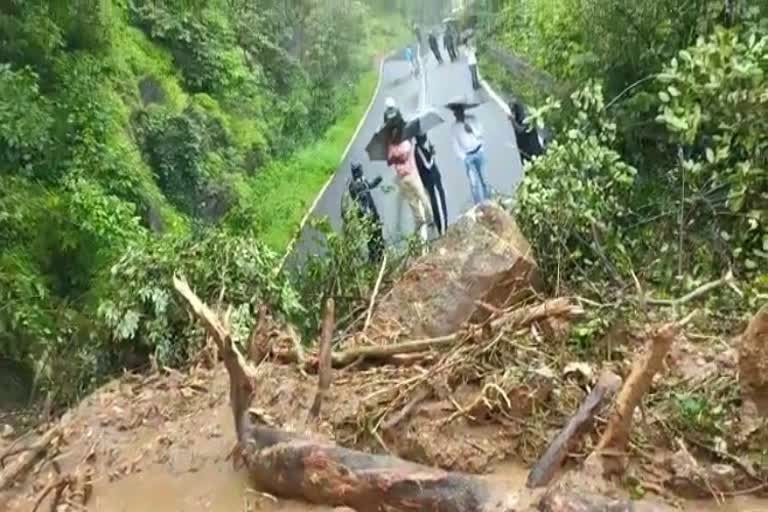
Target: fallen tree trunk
{"x": 292, "y": 466}
{"x": 548, "y": 464}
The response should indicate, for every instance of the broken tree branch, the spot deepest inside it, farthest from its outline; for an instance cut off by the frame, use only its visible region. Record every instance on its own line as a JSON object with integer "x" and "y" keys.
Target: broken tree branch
{"x": 548, "y": 464}
{"x": 518, "y": 318}
{"x": 241, "y": 374}
{"x": 612, "y": 446}
{"x": 23, "y": 462}
{"x": 324, "y": 366}
{"x": 406, "y": 411}
{"x": 369, "y": 314}
{"x": 257, "y": 340}
{"x": 694, "y": 294}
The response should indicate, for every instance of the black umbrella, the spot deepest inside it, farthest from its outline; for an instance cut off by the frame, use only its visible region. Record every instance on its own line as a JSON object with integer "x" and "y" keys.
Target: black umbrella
{"x": 461, "y": 103}
{"x": 377, "y": 147}
{"x": 427, "y": 120}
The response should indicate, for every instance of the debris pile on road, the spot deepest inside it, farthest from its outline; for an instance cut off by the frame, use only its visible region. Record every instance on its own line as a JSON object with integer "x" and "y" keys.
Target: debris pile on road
{"x": 462, "y": 364}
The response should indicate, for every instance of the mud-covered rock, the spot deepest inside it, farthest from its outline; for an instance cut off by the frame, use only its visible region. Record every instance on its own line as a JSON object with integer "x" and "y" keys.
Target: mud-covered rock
{"x": 483, "y": 258}
{"x": 753, "y": 361}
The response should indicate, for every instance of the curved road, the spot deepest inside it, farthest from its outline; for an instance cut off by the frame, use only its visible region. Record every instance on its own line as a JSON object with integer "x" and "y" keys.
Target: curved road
{"x": 443, "y": 82}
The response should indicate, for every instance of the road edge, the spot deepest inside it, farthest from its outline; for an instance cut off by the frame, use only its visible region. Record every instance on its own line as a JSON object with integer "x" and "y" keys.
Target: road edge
{"x": 319, "y": 195}
{"x": 495, "y": 96}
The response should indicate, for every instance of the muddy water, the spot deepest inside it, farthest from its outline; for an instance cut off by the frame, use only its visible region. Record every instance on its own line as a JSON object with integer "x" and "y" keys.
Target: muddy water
{"x": 219, "y": 488}
{"x": 738, "y": 504}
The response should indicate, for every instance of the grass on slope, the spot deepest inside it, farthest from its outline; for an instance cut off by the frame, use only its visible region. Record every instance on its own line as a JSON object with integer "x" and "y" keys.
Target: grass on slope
{"x": 281, "y": 194}
{"x": 286, "y": 189}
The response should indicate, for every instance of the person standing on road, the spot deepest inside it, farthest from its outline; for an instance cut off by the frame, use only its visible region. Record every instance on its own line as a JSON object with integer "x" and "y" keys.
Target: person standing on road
{"x": 471, "y": 53}
{"x": 434, "y": 47}
{"x": 449, "y": 41}
{"x": 360, "y": 192}
{"x": 528, "y": 140}
{"x": 417, "y": 32}
{"x": 468, "y": 144}
{"x": 400, "y": 156}
{"x": 432, "y": 180}
{"x": 410, "y": 56}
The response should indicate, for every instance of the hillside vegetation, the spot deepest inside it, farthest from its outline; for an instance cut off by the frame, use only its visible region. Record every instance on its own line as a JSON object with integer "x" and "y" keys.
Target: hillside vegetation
{"x": 139, "y": 138}
{"x": 656, "y": 183}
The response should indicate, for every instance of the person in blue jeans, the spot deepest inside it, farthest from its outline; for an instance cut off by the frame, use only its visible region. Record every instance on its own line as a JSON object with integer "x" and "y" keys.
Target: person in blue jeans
{"x": 468, "y": 144}
{"x": 410, "y": 56}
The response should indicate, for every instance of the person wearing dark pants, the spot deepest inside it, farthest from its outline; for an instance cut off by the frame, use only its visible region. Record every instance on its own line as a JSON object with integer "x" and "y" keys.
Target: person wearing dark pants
{"x": 450, "y": 44}
{"x": 528, "y": 141}
{"x": 432, "y": 180}
{"x": 472, "y": 61}
{"x": 434, "y": 47}
{"x": 360, "y": 192}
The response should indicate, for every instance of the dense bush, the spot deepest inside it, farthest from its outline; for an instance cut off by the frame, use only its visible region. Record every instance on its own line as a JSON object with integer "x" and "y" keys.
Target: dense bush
{"x": 684, "y": 90}
{"x": 139, "y": 138}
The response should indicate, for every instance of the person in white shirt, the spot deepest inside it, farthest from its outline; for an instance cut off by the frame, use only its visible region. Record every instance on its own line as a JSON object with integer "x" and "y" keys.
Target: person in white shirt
{"x": 468, "y": 144}
{"x": 471, "y": 54}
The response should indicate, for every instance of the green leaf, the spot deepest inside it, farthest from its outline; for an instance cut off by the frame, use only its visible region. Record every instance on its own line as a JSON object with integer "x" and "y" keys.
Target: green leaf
{"x": 664, "y": 96}
{"x": 710, "y": 155}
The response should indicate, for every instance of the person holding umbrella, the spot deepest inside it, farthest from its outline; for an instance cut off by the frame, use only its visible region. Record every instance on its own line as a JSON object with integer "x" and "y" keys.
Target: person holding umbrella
{"x": 365, "y": 209}
{"x": 432, "y": 180}
{"x": 400, "y": 156}
{"x": 468, "y": 144}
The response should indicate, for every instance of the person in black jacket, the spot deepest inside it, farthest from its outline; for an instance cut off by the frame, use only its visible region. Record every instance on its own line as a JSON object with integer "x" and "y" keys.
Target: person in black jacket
{"x": 434, "y": 46}
{"x": 432, "y": 180}
{"x": 360, "y": 192}
{"x": 528, "y": 141}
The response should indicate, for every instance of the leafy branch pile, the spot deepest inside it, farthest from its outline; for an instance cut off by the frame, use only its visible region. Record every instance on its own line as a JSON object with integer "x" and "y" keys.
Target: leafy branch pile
{"x": 140, "y": 137}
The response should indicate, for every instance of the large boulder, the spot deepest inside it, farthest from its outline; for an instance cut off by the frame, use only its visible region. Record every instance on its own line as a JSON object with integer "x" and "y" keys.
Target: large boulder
{"x": 753, "y": 361}
{"x": 482, "y": 259}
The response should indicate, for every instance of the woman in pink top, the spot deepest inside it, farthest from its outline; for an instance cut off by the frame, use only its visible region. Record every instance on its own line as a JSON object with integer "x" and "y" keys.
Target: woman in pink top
{"x": 400, "y": 156}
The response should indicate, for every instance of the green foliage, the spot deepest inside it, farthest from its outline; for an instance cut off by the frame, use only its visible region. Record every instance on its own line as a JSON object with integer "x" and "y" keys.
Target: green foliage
{"x": 141, "y": 310}
{"x": 573, "y": 198}
{"x": 340, "y": 269}
{"x": 686, "y": 107}
{"x": 25, "y": 120}
{"x": 163, "y": 135}
{"x": 713, "y": 101}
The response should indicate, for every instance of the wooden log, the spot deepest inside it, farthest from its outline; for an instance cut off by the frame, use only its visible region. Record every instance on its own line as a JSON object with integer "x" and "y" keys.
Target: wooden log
{"x": 257, "y": 339}
{"x": 611, "y": 451}
{"x": 324, "y": 367}
{"x": 291, "y": 466}
{"x": 563, "y": 501}
{"x": 545, "y": 468}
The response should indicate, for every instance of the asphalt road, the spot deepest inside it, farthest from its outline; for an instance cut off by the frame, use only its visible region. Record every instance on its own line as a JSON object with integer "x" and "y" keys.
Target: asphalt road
{"x": 443, "y": 83}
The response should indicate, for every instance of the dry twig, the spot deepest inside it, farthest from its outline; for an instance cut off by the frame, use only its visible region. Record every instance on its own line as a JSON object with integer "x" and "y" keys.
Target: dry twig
{"x": 13, "y": 471}
{"x": 324, "y": 367}
{"x": 369, "y": 313}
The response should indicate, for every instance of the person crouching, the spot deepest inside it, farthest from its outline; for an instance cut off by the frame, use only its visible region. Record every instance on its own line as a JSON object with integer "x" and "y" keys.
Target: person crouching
{"x": 360, "y": 192}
